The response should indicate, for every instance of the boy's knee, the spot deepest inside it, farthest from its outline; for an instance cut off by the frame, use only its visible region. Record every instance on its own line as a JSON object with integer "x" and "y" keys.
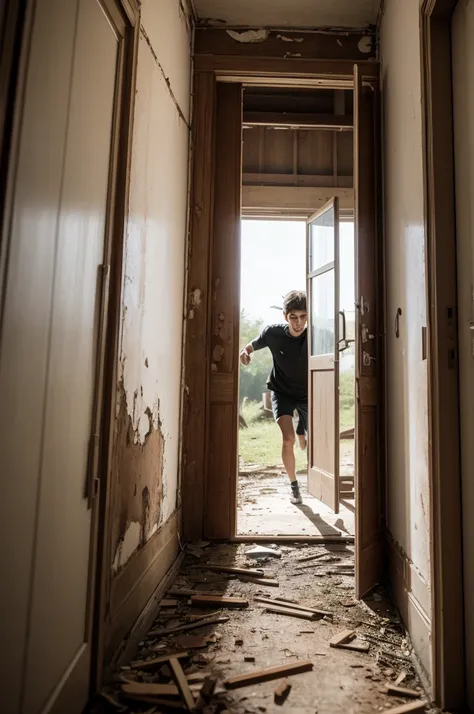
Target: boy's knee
{"x": 289, "y": 440}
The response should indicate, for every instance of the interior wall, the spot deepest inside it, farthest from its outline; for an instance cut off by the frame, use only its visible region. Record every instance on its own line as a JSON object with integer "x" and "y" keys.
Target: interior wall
{"x": 463, "y": 100}
{"x": 149, "y": 378}
{"x": 407, "y": 493}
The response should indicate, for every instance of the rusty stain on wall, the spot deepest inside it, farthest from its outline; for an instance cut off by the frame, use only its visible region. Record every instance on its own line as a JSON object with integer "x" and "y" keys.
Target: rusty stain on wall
{"x": 139, "y": 487}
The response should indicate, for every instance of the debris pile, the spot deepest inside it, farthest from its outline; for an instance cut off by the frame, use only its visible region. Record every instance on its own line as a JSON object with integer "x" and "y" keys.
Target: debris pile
{"x": 225, "y": 640}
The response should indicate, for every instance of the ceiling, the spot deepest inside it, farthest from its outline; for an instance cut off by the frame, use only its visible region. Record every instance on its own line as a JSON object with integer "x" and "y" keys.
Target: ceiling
{"x": 289, "y": 13}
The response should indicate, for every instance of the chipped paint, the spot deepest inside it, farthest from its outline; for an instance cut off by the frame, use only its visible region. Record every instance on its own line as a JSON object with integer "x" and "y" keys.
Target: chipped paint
{"x": 138, "y": 469}
{"x": 249, "y": 36}
{"x": 365, "y": 45}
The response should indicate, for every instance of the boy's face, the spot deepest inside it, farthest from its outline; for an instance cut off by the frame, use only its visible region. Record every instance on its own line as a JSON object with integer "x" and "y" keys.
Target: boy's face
{"x": 296, "y": 320}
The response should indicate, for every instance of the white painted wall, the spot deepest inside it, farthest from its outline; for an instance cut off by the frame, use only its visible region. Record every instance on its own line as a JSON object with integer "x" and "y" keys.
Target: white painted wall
{"x": 463, "y": 96}
{"x": 408, "y": 499}
{"x": 155, "y": 241}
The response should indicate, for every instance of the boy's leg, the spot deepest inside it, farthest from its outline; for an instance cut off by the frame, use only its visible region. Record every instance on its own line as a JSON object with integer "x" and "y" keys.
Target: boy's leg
{"x": 283, "y": 412}
{"x": 288, "y": 442}
{"x": 301, "y": 431}
{"x": 301, "y": 434}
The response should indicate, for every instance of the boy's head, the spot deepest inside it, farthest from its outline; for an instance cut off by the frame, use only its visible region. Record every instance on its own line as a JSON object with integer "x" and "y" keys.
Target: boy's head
{"x": 294, "y": 311}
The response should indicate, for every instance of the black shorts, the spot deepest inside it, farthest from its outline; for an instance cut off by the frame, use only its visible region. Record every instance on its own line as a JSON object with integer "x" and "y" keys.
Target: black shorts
{"x": 283, "y": 405}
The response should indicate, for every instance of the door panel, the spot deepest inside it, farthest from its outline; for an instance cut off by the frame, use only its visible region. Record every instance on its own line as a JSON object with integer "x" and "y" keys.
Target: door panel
{"x": 367, "y": 417}
{"x": 323, "y": 328}
{"x": 54, "y": 303}
{"x": 61, "y": 575}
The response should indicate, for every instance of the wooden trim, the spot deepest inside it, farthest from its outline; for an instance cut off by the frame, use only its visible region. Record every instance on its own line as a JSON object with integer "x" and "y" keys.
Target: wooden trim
{"x": 308, "y": 45}
{"x": 298, "y": 119}
{"x": 443, "y": 387}
{"x": 343, "y": 539}
{"x": 132, "y": 587}
{"x": 140, "y": 629}
{"x": 261, "y": 67}
{"x": 196, "y": 353}
{"x": 106, "y": 494}
{"x": 317, "y": 181}
{"x": 220, "y": 505}
{"x": 300, "y": 198}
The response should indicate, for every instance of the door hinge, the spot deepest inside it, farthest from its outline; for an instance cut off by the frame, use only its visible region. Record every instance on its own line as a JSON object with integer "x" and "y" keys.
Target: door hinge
{"x": 362, "y": 305}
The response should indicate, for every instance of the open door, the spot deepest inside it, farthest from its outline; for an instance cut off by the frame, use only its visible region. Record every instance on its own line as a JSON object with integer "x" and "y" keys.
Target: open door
{"x": 368, "y": 430}
{"x": 323, "y": 346}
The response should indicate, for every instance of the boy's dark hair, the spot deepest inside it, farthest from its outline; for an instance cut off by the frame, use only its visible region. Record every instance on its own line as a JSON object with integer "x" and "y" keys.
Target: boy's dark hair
{"x": 294, "y": 300}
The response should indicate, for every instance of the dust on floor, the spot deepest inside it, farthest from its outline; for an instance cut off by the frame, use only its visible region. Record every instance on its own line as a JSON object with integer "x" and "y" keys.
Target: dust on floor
{"x": 341, "y": 681}
{"x": 264, "y": 507}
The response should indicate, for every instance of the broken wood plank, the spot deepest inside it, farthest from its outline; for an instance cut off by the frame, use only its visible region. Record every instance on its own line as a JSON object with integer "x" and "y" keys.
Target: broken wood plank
{"x": 152, "y": 689}
{"x": 282, "y": 691}
{"x": 402, "y": 676}
{"x": 266, "y": 675}
{"x": 188, "y": 592}
{"x": 307, "y": 558}
{"x": 260, "y": 581}
{"x": 402, "y": 691}
{"x": 302, "y": 614}
{"x": 355, "y": 646}
{"x": 151, "y": 663}
{"x": 418, "y": 706}
{"x": 292, "y": 606}
{"x": 342, "y": 638}
{"x": 167, "y": 602}
{"x": 190, "y": 626}
{"x": 253, "y": 572}
{"x": 218, "y": 601}
{"x": 206, "y": 693}
{"x": 182, "y": 683}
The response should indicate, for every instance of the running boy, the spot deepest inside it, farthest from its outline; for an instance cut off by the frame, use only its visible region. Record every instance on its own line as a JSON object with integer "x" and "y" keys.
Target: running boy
{"x": 288, "y": 380}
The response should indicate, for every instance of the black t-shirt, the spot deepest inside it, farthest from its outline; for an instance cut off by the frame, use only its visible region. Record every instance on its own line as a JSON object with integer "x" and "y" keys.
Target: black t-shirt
{"x": 290, "y": 360}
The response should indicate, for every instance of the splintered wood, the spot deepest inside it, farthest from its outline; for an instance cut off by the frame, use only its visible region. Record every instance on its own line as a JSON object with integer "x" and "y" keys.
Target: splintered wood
{"x": 265, "y": 675}
{"x": 418, "y": 706}
{"x": 182, "y": 683}
{"x": 282, "y": 691}
{"x": 218, "y": 601}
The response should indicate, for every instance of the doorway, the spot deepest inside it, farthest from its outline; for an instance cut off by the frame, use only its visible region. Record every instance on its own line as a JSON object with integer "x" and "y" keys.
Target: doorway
{"x": 273, "y": 262}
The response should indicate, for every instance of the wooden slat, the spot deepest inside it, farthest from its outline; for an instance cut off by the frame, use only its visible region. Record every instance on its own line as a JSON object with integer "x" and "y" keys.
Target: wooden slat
{"x": 196, "y": 356}
{"x": 265, "y": 675}
{"x": 223, "y": 336}
{"x": 284, "y": 179}
{"x": 304, "y": 198}
{"x": 293, "y": 119}
{"x": 182, "y": 683}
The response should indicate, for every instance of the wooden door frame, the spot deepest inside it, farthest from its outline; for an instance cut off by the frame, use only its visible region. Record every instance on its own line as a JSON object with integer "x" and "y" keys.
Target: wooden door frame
{"x": 443, "y": 381}
{"x": 209, "y": 70}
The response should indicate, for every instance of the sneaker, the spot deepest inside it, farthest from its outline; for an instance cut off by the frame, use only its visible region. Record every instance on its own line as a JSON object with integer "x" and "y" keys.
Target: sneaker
{"x": 296, "y": 496}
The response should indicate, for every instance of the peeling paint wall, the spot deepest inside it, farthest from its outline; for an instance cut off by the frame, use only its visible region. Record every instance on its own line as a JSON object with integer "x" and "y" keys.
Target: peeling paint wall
{"x": 147, "y": 420}
{"x": 408, "y": 497}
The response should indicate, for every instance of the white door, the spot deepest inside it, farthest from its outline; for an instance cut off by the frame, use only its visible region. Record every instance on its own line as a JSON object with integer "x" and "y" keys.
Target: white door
{"x": 48, "y": 359}
{"x": 463, "y": 97}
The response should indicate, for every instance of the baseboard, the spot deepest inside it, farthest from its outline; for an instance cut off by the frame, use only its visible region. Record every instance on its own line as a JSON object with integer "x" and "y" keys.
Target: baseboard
{"x": 135, "y": 585}
{"x": 129, "y": 646}
{"x": 412, "y": 598}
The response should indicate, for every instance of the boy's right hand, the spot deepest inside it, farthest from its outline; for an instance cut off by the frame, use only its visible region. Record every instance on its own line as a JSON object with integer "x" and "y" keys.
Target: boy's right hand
{"x": 245, "y": 357}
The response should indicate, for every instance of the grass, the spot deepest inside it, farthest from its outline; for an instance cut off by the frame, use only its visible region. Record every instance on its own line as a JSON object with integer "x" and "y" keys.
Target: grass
{"x": 261, "y": 442}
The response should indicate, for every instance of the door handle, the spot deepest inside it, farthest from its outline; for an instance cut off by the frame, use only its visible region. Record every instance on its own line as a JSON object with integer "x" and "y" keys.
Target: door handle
{"x": 343, "y": 340}
{"x": 471, "y": 324}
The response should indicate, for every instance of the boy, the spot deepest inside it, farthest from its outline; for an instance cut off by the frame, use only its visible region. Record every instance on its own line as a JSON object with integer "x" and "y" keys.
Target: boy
{"x": 288, "y": 380}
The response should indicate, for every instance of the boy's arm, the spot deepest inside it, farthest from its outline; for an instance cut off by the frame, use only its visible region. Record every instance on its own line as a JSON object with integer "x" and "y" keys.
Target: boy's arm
{"x": 258, "y": 344}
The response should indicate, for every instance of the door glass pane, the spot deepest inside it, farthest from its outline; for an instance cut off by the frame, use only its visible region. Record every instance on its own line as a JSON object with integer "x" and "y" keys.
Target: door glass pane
{"x": 322, "y": 240}
{"x": 322, "y": 313}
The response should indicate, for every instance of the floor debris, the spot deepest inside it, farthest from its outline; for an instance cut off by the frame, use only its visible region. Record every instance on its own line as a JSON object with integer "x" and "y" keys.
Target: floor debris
{"x": 239, "y": 647}
{"x": 261, "y": 551}
{"x": 282, "y": 691}
{"x": 419, "y": 706}
{"x": 265, "y": 675}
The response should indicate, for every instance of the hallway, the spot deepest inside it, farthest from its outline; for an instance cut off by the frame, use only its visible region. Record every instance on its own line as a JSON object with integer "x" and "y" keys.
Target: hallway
{"x": 250, "y": 638}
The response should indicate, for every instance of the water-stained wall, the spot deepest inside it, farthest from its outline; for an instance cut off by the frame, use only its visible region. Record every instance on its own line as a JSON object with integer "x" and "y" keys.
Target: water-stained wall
{"x": 149, "y": 379}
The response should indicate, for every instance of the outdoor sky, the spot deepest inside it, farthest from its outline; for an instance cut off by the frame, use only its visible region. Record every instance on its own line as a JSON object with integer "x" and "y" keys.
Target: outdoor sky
{"x": 274, "y": 262}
